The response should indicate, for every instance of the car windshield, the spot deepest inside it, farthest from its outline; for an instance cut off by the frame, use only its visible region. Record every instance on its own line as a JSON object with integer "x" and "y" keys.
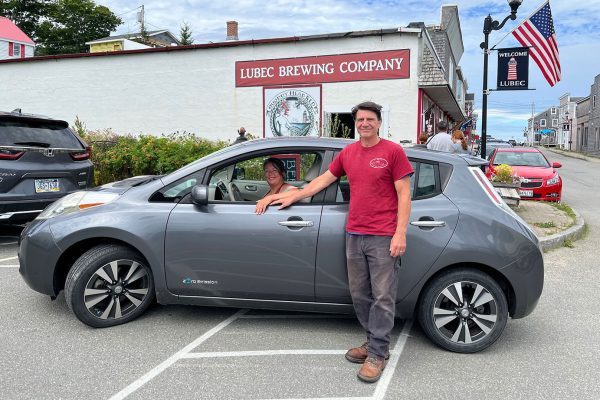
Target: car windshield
{"x": 527, "y": 159}
{"x": 37, "y": 134}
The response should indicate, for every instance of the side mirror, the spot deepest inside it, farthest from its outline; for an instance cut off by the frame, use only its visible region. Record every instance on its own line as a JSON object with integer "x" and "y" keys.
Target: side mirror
{"x": 200, "y": 195}
{"x": 556, "y": 164}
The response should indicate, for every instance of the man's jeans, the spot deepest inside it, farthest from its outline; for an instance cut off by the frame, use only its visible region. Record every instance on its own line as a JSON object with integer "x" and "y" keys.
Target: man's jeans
{"x": 373, "y": 279}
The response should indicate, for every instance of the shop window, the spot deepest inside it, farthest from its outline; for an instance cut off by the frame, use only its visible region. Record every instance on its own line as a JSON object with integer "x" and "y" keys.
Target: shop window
{"x": 16, "y": 49}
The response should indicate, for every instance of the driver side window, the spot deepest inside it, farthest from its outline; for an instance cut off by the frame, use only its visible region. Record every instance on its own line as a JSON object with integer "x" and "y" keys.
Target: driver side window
{"x": 245, "y": 180}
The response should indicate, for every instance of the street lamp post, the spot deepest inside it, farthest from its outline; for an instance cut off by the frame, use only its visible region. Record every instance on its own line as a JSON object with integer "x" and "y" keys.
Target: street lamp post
{"x": 490, "y": 25}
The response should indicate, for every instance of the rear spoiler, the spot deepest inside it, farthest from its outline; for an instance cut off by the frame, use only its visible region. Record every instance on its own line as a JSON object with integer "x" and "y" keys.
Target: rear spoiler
{"x": 42, "y": 149}
{"x": 33, "y": 118}
{"x": 474, "y": 161}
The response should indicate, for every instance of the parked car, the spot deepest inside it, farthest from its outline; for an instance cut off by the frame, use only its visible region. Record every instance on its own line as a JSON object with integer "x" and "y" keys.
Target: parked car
{"x": 192, "y": 237}
{"x": 41, "y": 160}
{"x": 491, "y": 145}
{"x": 539, "y": 179}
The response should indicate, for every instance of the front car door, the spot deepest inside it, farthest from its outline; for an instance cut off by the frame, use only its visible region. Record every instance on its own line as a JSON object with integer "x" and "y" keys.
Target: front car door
{"x": 225, "y": 250}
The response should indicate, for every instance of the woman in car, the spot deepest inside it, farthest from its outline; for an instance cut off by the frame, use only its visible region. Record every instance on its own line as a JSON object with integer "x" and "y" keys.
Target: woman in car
{"x": 275, "y": 176}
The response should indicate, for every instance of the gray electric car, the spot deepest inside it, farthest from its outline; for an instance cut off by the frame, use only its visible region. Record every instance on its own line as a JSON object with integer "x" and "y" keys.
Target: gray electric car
{"x": 191, "y": 237}
{"x": 41, "y": 160}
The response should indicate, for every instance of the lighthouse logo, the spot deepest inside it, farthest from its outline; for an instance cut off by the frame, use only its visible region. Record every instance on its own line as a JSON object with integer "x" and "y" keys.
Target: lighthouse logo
{"x": 512, "y": 69}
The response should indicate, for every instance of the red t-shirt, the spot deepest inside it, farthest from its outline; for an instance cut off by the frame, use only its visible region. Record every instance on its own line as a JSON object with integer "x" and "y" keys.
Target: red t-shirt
{"x": 371, "y": 173}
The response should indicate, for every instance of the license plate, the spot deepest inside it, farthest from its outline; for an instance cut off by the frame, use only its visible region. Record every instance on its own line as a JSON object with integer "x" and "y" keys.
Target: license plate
{"x": 526, "y": 193}
{"x": 46, "y": 185}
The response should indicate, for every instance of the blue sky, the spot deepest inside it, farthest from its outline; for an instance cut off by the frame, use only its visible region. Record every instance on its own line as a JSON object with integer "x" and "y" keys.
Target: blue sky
{"x": 576, "y": 24}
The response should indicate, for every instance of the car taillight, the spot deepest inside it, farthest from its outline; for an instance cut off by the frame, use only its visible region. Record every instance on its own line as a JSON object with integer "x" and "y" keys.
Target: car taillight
{"x": 82, "y": 155}
{"x": 6, "y": 154}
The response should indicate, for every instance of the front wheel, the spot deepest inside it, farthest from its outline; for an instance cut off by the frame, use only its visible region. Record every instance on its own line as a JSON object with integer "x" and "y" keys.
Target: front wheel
{"x": 463, "y": 310}
{"x": 109, "y": 285}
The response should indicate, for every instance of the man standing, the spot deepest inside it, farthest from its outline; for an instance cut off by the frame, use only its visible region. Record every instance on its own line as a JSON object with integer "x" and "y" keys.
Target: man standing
{"x": 442, "y": 140}
{"x": 242, "y": 136}
{"x": 379, "y": 175}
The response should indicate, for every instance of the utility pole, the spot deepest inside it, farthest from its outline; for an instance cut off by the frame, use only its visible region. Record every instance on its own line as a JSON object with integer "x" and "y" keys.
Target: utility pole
{"x": 532, "y": 134}
{"x": 143, "y": 32}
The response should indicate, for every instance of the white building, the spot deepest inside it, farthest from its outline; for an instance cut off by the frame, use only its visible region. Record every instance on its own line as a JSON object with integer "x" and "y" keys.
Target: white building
{"x": 283, "y": 86}
{"x": 14, "y": 44}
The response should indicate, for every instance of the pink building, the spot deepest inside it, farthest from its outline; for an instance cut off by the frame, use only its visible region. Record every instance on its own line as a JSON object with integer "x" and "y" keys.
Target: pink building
{"x": 13, "y": 42}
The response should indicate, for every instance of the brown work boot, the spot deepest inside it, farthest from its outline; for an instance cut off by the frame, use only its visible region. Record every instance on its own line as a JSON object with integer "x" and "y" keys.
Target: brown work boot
{"x": 371, "y": 370}
{"x": 358, "y": 355}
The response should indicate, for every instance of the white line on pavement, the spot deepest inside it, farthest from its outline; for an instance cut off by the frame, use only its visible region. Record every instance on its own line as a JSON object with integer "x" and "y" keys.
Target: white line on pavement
{"x": 9, "y": 266}
{"x": 386, "y": 378}
{"x": 296, "y": 316}
{"x": 8, "y": 259}
{"x": 171, "y": 360}
{"x": 220, "y": 354}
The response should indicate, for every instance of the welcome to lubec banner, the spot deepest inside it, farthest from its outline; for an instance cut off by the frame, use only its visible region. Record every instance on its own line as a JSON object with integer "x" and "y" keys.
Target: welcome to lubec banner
{"x": 513, "y": 68}
{"x": 391, "y": 64}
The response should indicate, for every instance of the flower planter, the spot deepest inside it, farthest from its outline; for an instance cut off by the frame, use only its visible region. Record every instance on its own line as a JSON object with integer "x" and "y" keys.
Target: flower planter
{"x": 509, "y": 192}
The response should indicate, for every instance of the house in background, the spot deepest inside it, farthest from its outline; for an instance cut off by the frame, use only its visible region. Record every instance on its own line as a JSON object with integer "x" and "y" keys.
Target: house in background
{"x": 133, "y": 41}
{"x": 13, "y": 42}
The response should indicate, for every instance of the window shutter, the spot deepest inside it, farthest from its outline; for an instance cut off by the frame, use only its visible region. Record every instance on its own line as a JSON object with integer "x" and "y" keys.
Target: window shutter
{"x": 22, "y": 51}
{"x": 10, "y": 49}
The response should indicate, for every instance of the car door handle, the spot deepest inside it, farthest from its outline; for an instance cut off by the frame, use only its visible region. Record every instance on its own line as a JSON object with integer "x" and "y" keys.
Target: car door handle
{"x": 251, "y": 188}
{"x": 428, "y": 224}
{"x": 296, "y": 224}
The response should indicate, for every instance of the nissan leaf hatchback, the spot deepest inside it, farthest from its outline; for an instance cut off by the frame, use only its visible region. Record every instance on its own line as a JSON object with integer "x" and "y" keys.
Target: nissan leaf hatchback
{"x": 192, "y": 237}
{"x": 41, "y": 160}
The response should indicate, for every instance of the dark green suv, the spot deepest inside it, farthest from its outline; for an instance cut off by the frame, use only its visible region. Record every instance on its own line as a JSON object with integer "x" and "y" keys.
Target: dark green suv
{"x": 41, "y": 160}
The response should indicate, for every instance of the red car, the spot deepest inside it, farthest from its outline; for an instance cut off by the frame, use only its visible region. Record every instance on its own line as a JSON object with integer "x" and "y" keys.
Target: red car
{"x": 539, "y": 179}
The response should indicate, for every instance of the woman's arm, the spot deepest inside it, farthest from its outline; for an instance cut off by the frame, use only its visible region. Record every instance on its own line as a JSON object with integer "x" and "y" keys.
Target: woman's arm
{"x": 262, "y": 204}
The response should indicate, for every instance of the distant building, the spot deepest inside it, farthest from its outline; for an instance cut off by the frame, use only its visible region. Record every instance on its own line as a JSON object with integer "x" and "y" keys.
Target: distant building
{"x": 543, "y": 127}
{"x": 566, "y": 138}
{"x": 13, "y": 42}
{"x": 582, "y": 126}
{"x": 133, "y": 41}
{"x": 593, "y": 137}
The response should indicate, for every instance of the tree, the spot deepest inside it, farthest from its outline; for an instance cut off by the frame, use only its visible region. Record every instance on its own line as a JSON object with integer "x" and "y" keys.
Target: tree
{"x": 68, "y": 24}
{"x": 25, "y": 14}
{"x": 185, "y": 34}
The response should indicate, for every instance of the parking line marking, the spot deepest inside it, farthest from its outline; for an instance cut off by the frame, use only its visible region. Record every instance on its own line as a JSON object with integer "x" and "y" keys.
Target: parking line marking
{"x": 386, "y": 377}
{"x": 9, "y": 266}
{"x": 326, "y": 398}
{"x": 299, "y": 316}
{"x": 8, "y": 259}
{"x": 221, "y": 354}
{"x": 177, "y": 356}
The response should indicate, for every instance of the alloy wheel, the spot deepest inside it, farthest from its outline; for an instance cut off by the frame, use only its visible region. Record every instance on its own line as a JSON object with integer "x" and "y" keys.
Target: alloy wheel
{"x": 116, "y": 289}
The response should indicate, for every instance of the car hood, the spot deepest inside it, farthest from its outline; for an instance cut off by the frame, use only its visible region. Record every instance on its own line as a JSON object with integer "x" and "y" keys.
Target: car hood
{"x": 126, "y": 184}
{"x": 534, "y": 172}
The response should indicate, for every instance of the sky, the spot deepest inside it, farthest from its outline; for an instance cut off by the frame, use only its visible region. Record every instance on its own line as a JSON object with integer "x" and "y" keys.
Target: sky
{"x": 577, "y": 33}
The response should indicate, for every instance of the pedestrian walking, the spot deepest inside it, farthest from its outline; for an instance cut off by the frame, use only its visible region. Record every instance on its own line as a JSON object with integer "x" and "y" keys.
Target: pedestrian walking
{"x": 379, "y": 173}
{"x": 459, "y": 142}
{"x": 242, "y": 136}
{"x": 441, "y": 141}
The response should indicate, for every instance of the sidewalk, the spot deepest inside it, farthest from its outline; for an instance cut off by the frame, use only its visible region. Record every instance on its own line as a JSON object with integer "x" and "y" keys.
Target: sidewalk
{"x": 572, "y": 154}
{"x": 554, "y": 227}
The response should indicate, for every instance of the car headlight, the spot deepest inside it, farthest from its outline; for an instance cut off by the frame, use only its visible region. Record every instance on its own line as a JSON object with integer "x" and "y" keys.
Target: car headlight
{"x": 553, "y": 181}
{"x": 76, "y": 202}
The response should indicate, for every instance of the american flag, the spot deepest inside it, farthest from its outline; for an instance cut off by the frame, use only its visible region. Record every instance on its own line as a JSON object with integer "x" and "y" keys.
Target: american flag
{"x": 537, "y": 33}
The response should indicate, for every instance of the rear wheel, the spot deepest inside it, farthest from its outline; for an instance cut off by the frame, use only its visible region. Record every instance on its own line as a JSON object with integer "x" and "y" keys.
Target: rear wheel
{"x": 109, "y": 285}
{"x": 463, "y": 310}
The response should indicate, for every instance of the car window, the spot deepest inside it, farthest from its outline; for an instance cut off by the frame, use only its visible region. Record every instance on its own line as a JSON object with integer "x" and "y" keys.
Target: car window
{"x": 244, "y": 180}
{"x": 422, "y": 183}
{"x": 37, "y": 134}
{"x": 528, "y": 159}
{"x": 177, "y": 190}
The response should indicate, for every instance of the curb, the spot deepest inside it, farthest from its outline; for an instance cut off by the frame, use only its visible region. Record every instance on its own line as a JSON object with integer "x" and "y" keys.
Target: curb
{"x": 572, "y": 154}
{"x": 558, "y": 239}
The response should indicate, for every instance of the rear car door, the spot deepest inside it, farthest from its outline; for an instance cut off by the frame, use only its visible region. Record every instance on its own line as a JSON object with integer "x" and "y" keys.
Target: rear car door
{"x": 431, "y": 225}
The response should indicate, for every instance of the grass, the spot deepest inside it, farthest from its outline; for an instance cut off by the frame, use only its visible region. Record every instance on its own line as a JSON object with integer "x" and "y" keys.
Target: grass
{"x": 566, "y": 209}
{"x": 545, "y": 224}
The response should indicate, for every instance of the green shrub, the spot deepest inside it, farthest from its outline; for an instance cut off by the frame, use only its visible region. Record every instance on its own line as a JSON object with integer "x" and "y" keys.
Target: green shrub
{"x": 117, "y": 157}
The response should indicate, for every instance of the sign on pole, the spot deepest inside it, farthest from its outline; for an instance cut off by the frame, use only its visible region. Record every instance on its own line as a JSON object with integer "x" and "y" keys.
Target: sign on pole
{"x": 513, "y": 68}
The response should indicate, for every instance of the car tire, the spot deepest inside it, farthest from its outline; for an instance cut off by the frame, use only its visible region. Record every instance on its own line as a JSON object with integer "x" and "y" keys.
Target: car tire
{"x": 463, "y": 310}
{"x": 100, "y": 299}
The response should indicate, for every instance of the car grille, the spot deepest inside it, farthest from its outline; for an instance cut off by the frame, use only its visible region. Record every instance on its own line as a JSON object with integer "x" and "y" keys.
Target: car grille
{"x": 532, "y": 184}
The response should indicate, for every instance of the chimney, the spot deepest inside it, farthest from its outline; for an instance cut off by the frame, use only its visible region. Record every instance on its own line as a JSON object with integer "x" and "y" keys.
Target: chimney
{"x": 232, "y": 30}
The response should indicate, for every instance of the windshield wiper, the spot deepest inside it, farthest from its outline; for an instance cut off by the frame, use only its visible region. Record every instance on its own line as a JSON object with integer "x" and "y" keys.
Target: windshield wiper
{"x": 36, "y": 144}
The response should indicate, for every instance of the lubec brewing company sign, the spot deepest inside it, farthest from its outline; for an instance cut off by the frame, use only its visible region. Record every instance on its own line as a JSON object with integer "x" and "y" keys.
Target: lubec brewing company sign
{"x": 513, "y": 68}
{"x": 392, "y": 64}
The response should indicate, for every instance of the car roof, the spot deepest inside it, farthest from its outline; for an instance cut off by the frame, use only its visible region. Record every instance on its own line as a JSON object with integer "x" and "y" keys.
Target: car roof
{"x": 518, "y": 150}
{"x": 17, "y": 115}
